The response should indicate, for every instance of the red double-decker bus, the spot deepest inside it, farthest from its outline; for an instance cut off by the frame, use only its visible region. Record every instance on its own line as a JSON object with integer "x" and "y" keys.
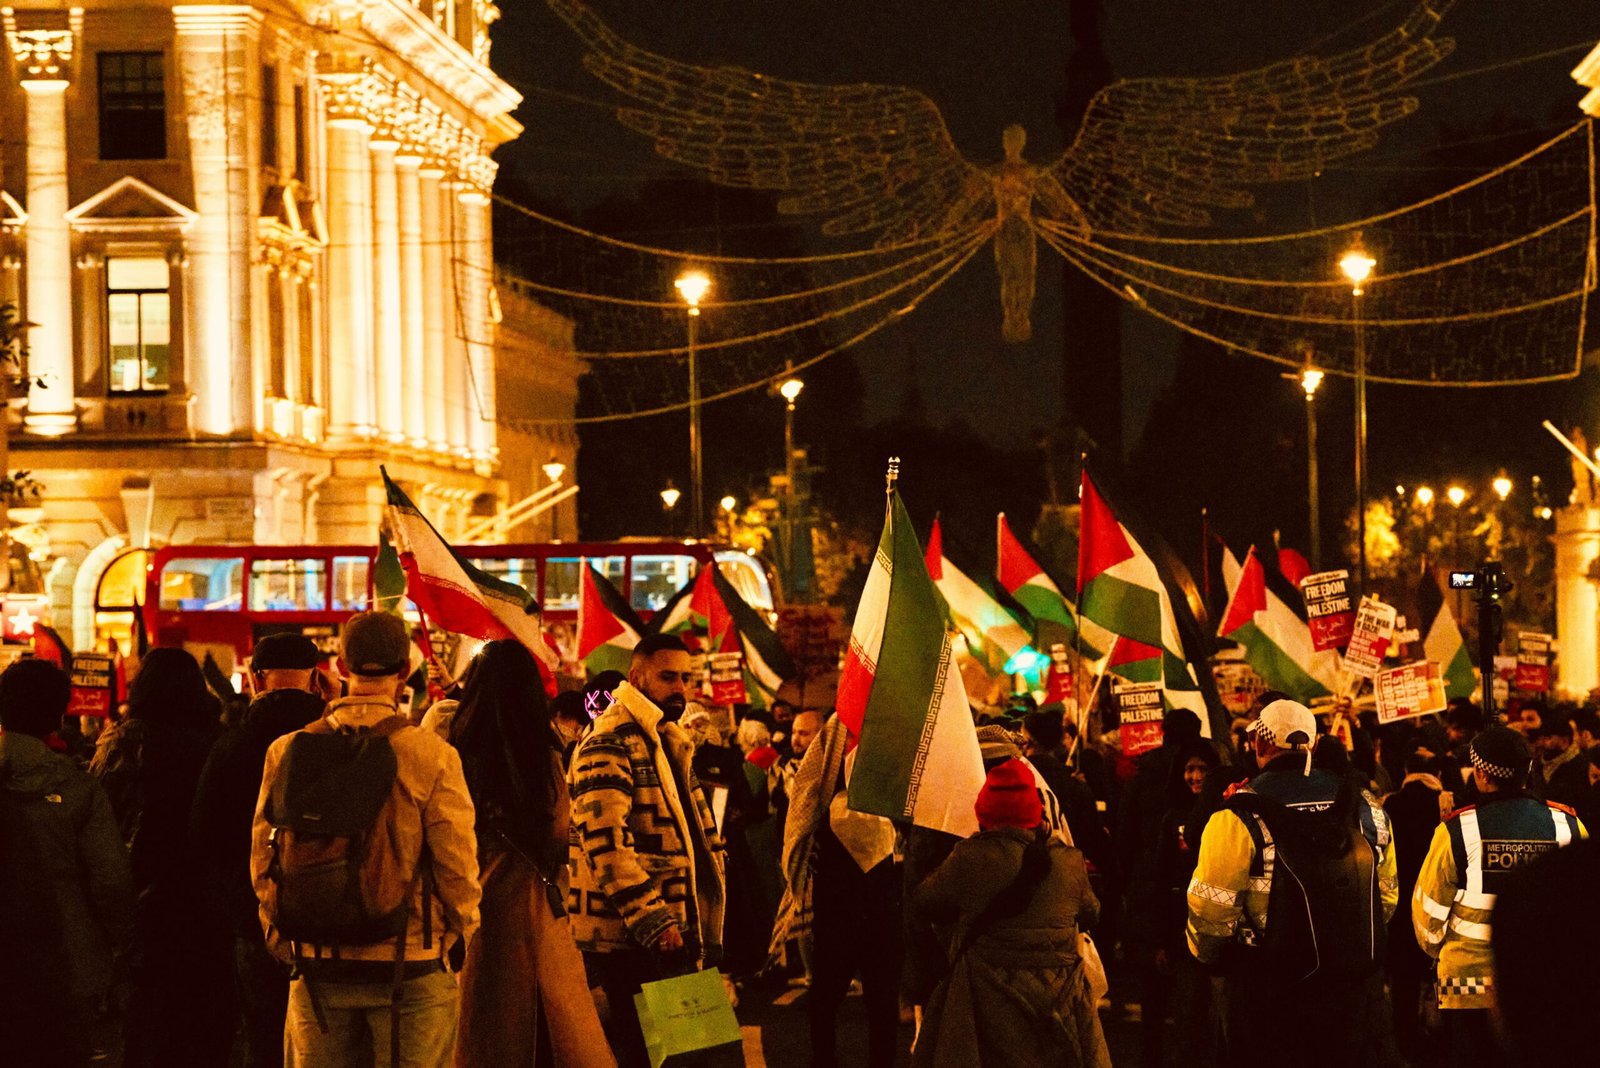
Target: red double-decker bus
{"x": 222, "y": 598}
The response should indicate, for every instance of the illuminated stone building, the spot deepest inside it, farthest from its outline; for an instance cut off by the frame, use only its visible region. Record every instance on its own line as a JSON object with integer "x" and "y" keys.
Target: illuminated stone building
{"x": 255, "y": 241}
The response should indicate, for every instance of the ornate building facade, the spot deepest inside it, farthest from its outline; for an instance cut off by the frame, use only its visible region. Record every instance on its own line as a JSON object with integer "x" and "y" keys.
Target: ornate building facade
{"x": 255, "y": 240}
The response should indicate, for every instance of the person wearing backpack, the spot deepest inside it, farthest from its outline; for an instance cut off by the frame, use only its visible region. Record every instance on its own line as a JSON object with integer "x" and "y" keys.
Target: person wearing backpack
{"x": 1472, "y": 859}
{"x": 364, "y": 860}
{"x": 66, "y": 889}
{"x": 1294, "y": 883}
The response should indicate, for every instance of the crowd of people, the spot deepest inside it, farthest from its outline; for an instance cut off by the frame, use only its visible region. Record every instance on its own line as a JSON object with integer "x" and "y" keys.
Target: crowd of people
{"x": 331, "y": 876}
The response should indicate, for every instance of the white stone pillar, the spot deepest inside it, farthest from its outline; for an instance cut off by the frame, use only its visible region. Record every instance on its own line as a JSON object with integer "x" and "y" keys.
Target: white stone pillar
{"x": 51, "y": 406}
{"x": 388, "y": 310}
{"x": 351, "y": 408}
{"x": 435, "y": 260}
{"x": 457, "y": 361}
{"x": 478, "y": 275}
{"x": 1577, "y": 544}
{"x": 413, "y": 290}
{"x": 216, "y": 63}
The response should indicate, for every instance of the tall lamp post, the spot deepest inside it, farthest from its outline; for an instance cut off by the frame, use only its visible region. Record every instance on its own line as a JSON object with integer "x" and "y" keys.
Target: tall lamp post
{"x": 789, "y": 389}
{"x": 692, "y": 286}
{"x": 553, "y": 470}
{"x": 1357, "y": 265}
{"x": 1310, "y": 380}
{"x": 669, "y": 501}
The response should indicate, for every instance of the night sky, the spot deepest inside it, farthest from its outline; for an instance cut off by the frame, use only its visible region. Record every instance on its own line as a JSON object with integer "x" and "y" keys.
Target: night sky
{"x": 992, "y": 62}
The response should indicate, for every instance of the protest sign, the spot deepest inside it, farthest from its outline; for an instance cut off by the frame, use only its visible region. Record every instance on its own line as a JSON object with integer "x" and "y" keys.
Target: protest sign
{"x": 1058, "y": 680}
{"x": 93, "y": 676}
{"x": 1328, "y": 611}
{"x": 1139, "y": 714}
{"x": 1505, "y": 669}
{"x": 1409, "y": 690}
{"x": 1369, "y": 638}
{"x": 1533, "y": 662}
{"x": 727, "y": 679}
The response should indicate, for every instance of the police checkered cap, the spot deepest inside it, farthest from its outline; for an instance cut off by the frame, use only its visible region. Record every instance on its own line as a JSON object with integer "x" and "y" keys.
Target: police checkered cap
{"x": 1502, "y": 754}
{"x": 1287, "y": 725}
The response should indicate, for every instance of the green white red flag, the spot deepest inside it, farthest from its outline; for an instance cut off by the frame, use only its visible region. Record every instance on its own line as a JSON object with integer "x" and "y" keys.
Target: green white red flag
{"x": 1022, "y": 577}
{"x": 701, "y": 618}
{"x": 1441, "y": 638}
{"x": 1277, "y": 642}
{"x": 607, "y": 628}
{"x": 456, "y": 596}
{"x": 994, "y": 636}
{"x": 711, "y": 617}
{"x": 901, "y": 696}
{"x": 1121, "y": 588}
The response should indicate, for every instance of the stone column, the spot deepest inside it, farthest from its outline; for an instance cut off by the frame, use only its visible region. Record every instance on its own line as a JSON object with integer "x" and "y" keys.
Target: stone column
{"x": 216, "y": 48}
{"x": 413, "y": 290}
{"x": 1577, "y": 544}
{"x": 42, "y": 59}
{"x": 477, "y": 276}
{"x": 388, "y": 311}
{"x": 434, "y": 266}
{"x": 351, "y": 408}
{"x": 454, "y": 313}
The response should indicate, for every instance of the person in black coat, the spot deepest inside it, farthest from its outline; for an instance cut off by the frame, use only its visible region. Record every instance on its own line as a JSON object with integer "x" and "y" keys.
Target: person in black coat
{"x": 290, "y": 693}
{"x": 1413, "y": 813}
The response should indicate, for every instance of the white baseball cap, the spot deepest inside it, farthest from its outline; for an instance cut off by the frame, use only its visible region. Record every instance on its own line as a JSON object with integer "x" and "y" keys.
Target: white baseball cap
{"x": 1287, "y": 725}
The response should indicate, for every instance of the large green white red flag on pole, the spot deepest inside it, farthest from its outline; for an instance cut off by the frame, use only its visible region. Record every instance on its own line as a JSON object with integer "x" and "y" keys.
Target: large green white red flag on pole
{"x": 1022, "y": 577}
{"x": 1277, "y": 642}
{"x": 994, "y": 636}
{"x": 607, "y": 628}
{"x": 456, "y": 596}
{"x": 1120, "y": 588}
{"x": 901, "y": 697}
{"x": 1441, "y": 638}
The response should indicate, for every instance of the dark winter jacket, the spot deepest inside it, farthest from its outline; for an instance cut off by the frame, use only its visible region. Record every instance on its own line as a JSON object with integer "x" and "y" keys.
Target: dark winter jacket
{"x": 78, "y": 885}
{"x": 225, "y": 800}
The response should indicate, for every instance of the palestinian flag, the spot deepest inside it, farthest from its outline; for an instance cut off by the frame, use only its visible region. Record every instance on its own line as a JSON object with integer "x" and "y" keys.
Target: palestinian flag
{"x": 1120, "y": 588}
{"x": 1021, "y": 576}
{"x": 1277, "y": 642}
{"x": 456, "y": 596}
{"x": 697, "y": 614}
{"x": 711, "y": 606}
{"x": 901, "y": 696}
{"x": 1135, "y": 661}
{"x": 1441, "y": 638}
{"x": 607, "y": 628}
{"x": 994, "y": 636}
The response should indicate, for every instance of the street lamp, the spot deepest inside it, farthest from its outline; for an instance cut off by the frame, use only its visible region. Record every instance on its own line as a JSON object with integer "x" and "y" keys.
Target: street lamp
{"x": 692, "y": 286}
{"x": 1356, "y": 265}
{"x": 1424, "y": 495}
{"x": 1455, "y": 495}
{"x": 1310, "y": 379}
{"x": 789, "y": 389}
{"x": 669, "y": 497}
{"x": 1502, "y": 486}
{"x": 553, "y": 470}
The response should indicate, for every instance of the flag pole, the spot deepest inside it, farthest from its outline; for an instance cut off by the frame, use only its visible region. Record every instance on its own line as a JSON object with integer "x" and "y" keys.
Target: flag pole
{"x": 891, "y": 476}
{"x": 1083, "y": 710}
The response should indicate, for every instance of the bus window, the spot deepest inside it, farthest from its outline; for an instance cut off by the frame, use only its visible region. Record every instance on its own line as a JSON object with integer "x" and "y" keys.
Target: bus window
{"x": 349, "y": 585}
{"x": 519, "y": 571}
{"x": 656, "y": 578}
{"x": 745, "y": 575}
{"x": 561, "y": 576}
{"x": 288, "y": 585}
{"x": 202, "y": 584}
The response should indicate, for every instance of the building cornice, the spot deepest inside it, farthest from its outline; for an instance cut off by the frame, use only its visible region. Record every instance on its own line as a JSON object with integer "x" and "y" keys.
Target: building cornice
{"x": 403, "y": 29}
{"x": 1587, "y": 74}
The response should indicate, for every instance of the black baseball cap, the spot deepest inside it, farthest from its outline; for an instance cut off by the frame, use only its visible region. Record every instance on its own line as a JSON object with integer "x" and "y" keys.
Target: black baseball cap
{"x": 285, "y": 652}
{"x": 375, "y": 644}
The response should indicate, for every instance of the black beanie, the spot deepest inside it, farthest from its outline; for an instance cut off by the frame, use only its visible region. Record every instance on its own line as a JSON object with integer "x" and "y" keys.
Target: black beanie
{"x": 1502, "y": 754}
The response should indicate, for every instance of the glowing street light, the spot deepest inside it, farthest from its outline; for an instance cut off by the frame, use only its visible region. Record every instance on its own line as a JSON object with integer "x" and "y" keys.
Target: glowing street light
{"x": 692, "y": 286}
{"x": 669, "y": 497}
{"x": 790, "y": 389}
{"x": 1424, "y": 495}
{"x": 1310, "y": 380}
{"x": 1357, "y": 266}
{"x": 1502, "y": 486}
{"x": 1455, "y": 495}
{"x": 729, "y": 503}
{"x": 553, "y": 470}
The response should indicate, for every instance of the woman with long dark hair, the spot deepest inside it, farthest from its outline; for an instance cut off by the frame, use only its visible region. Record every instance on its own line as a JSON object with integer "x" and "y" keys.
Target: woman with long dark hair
{"x": 524, "y": 999}
{"x": 180, "y": 1008}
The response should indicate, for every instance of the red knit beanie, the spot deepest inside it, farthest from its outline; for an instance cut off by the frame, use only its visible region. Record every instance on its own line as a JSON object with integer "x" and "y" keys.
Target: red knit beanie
{"x": 1009, "y": 798}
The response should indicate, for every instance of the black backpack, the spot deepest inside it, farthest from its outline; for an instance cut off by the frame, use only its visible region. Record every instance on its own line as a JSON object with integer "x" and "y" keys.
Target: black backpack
{"x": 1324, "y": 911}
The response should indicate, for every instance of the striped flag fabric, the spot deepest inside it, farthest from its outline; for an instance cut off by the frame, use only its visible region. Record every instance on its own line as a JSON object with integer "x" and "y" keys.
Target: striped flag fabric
{"x": 1276, "y": 641}
{"x": 699, "y": 616}
{"x": 1120, "y": 588}
{"x": 607, "y": 628}
{"x": 456, "y": 596}
{"x": 1441, "y": 638}
{"x": 902, "y": 699}
{"x": 994, "y": 636}
{"x": 709, "y": 605}
{"x": 1021, "y": 576}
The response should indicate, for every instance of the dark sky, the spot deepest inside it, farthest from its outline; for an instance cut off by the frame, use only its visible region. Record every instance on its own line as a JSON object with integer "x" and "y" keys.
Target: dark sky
{"x": 992, "y": 62}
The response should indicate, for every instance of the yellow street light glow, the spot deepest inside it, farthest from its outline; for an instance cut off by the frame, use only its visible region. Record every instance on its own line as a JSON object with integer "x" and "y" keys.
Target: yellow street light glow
{"x": 729, "y": 503}
{"x": 1502, "y": 487}
{"x": 1456, "y": 495}
{"x": 553, "y": 469}
{"x": 1310, "y": 379}
{"x": 1424, "y": 495}
{"x": 790, "y": 388}
{"x": 669, "y": 497}
{"x": 1544, "y": 512}
{"x": 692, "y": 287}
{"x": 1357, "y": 266}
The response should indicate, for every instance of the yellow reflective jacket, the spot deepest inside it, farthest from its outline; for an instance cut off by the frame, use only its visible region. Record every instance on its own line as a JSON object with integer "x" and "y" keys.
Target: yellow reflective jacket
{"x": 1472, "y": 853}
{"x": 1227, "y": 904}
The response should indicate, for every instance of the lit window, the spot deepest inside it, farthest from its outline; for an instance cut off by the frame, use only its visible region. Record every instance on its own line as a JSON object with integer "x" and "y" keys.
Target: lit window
{"x": 288, "y": 585}
{"x": 133, "y": 105}
{"x": 139, "y": 324}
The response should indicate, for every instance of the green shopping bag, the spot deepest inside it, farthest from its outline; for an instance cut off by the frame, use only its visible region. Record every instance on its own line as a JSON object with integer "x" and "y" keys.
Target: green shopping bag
{"x": 687, "y": 1020}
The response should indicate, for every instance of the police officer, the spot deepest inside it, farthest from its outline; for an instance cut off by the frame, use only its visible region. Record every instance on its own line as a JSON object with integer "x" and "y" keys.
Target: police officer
{"x": 1232, "y": 886}
{"x": 1473, "y": 853}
